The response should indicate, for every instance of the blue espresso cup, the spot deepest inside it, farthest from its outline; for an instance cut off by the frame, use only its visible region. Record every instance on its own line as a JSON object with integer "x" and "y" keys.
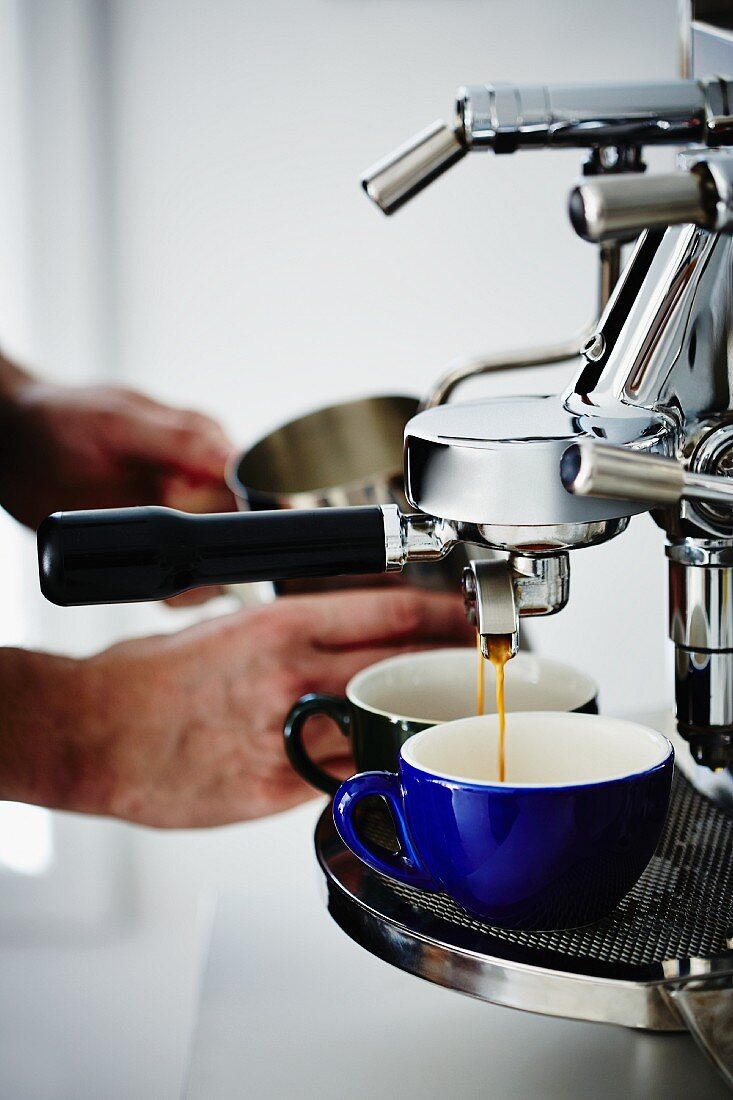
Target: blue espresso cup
{"x": 557, "y": 845}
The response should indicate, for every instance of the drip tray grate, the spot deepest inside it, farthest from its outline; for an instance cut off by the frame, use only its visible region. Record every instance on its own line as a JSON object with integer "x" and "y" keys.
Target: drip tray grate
{"x": 677, "y": 920}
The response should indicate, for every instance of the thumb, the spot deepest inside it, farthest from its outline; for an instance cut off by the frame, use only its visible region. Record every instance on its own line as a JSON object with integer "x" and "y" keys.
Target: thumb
{"x": 180, "y": 491}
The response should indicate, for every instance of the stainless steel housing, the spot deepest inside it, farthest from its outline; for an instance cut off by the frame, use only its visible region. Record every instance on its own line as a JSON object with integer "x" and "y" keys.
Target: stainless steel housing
{"x": 656, "y": 372}
{"x": 701, "y": 627}
{"x": 657, "y": 380}
{"x": 496, "y": 463}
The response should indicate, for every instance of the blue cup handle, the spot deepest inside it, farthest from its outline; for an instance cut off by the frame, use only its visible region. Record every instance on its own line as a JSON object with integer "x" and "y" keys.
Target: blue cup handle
{"x": 405, "y": 865}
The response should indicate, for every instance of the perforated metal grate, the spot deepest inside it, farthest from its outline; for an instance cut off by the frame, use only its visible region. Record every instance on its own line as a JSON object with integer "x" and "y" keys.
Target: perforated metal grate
{"x": 681, "y": 907}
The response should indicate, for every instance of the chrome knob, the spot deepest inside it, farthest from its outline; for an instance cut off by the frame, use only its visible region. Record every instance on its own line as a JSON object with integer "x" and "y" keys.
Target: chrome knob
{"x": 621, "y": 207}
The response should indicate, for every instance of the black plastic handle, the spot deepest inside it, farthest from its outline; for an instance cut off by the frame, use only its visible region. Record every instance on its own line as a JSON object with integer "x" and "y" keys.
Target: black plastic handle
{"x": 332, "y": 706}
{"x": 127, "y": 554}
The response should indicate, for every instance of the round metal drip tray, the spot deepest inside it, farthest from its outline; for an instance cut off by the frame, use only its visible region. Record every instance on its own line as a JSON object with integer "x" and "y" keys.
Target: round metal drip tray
{"x": 673, "y": 931}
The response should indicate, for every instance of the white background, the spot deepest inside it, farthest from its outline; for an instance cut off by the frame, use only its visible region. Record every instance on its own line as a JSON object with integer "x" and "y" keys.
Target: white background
{"x": 180, "y": 210}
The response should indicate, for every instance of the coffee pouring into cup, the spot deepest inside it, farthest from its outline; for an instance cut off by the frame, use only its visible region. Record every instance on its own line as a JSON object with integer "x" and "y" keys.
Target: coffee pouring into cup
{"x": 392, "y": 700}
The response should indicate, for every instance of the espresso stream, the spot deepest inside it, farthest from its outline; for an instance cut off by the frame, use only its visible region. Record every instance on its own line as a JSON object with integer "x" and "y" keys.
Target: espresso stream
{"x": 500, "y": 651}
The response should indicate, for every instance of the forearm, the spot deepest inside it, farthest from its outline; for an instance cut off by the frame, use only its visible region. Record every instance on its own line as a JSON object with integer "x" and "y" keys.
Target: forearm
{"x": 48, "y": 754}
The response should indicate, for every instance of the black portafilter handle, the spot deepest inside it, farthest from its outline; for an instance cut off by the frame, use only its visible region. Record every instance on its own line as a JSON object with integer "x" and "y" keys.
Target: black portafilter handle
{"x": 126, "y": 554}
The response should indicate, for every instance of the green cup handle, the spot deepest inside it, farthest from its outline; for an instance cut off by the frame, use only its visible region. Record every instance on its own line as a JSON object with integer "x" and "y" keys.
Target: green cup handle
{"x": 332, "y": 706}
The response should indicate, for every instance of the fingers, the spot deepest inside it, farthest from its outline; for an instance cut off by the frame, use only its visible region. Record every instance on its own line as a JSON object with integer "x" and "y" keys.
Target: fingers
{"x": 377, "y": 616}
{"x": 332, "y": 672}
{"x": 196, "y": 596}
{"x": 325, "y": 741}
{"x": 188, "y": 442}
{"x": 180, "y": 492}
{"x": 303, "y": 585}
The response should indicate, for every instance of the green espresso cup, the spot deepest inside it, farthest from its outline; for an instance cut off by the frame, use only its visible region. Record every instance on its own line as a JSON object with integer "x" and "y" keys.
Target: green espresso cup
{"x": 388, "y": 702}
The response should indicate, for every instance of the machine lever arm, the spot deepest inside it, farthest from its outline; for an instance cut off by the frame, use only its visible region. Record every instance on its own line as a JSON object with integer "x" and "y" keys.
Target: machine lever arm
{"x": 402, "y": 175}
{"x": 508, "y": 117}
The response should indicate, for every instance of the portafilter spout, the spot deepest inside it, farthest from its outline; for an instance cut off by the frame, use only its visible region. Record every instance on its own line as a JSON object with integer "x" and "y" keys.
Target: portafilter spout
{"x": 497, "y": 593}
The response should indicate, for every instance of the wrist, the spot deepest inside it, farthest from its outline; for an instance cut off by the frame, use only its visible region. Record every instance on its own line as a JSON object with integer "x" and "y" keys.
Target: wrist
{"x": 131, "y": 700}
{"x": 44, "y": 708}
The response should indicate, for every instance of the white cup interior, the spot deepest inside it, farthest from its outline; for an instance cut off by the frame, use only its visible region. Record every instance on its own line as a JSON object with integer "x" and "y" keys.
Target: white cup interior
{"x": 543, "y": 749}
{"x": 439, "y": 685}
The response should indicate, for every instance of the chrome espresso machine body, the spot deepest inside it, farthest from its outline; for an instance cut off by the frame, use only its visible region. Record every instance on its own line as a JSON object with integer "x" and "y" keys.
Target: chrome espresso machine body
{"x": 646, "y": 425}
{"x": 539, "y": 476}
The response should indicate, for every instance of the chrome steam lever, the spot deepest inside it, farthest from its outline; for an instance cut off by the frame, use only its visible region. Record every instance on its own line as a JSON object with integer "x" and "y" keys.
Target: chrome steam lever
{"x": 596, "y": 469}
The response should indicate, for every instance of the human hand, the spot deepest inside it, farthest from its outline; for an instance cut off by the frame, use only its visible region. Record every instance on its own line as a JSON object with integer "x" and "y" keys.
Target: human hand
{"x": 69, "y": 447}
{"x": 186, "y": 730}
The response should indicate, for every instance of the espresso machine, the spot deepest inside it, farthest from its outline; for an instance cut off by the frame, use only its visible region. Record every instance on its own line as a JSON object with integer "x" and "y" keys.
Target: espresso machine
{"x": 645, "y": 425}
